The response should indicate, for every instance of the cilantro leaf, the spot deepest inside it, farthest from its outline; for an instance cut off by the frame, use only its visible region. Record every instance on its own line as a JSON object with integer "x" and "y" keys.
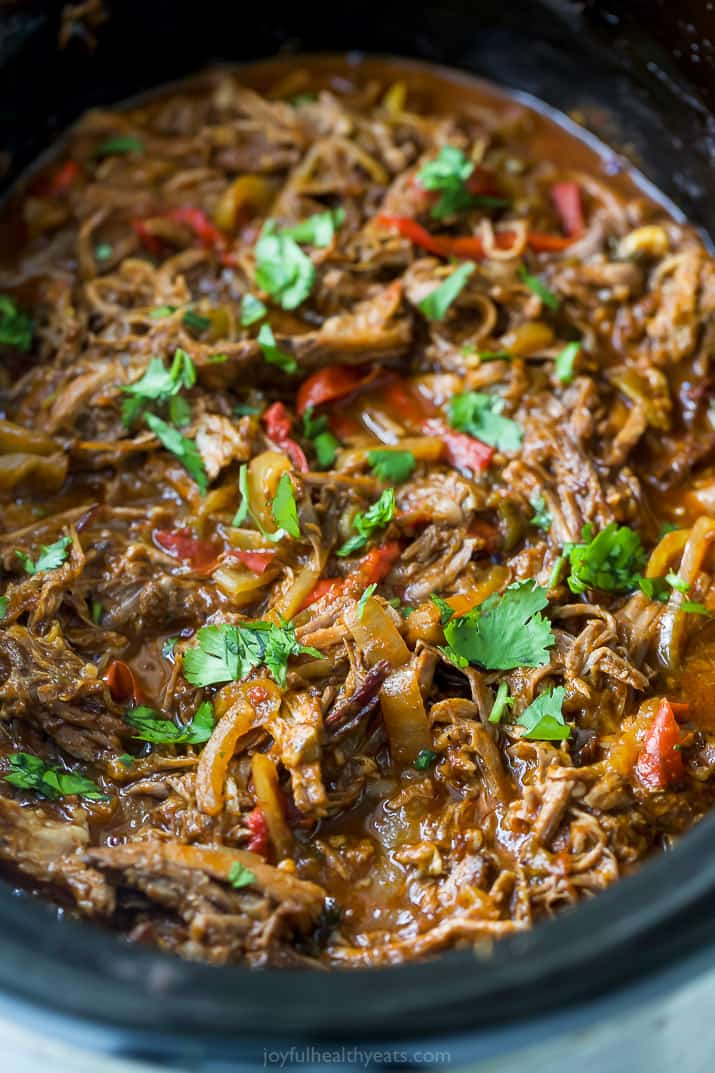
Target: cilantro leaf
{"x": 103, "y": 251}
{"x": 153, "y": 727}
{"x": 283, "y": 507}
{"x": 51, "y": 556}
{"x": 543, "y": 720}
{"x": 159, "y": 312}
{"x": 563, "y": 366}
{"x": 541, "y": 519}
{"x": 228, "y": 653}
{"x": 245, "y": 510}
{"x": 694, "y": 608}
{"x": 367, "y": 522}
{"x": 537, "y": 285}
{"x": 424, "y": 759}
{"x": 179, "y": 412}
{"x": 158, "y": 384}
{"x": 3, "y": 607}
{"x": 196, "y": 321}
{"x": 364, "y": 599}
{"x": 506, "y": 631}
{"x": 395, "y": 466}
{"x": 611, "y": 561}
{"x": 502, "y": 701}
{"x": 438, "y": 301}
{"x": 272, "y": 353}
{"x": 317, "y": 430}
{"x": 282, "y": 269}
{"x": 252, "y": 309}
{"x": 119, "y": 146}
{"x": 240, "y": 876}
{"x": 317, "y": 230}
{"x": 480, "y": 415}
{"x": 446, "y": 613}
{"x": 448, "y": 174}
{"x": 15, "y": 326}
{"x": 185, "y": 450}
{"x": 29, "y": 772}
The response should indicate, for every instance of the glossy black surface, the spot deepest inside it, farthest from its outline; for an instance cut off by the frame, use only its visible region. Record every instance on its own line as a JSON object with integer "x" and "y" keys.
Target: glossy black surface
{"x": 649, "y": 924}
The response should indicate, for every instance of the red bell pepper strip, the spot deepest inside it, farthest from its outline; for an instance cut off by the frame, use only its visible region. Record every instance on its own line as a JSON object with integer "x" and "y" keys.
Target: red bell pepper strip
{"x": 399, "y": 397}
{"x": 567, "y": 201}
{"x": 462, "y": 450}
{"x": 256, "y": 824}
{"x": 256, "y": 561}
{"x": 470, "y": 247}
{"x": 369, "y": 570}
{"x": 332, "y": 382}
{"x": 660, "y": 760}
{"x": 180, "y": 544}
{"x": 122, "y": 684}
{"x": 61, "y": 179}
{"x": 148, "y": 240}
{"x": 278, "y": 426}
{"x": 198, "y": 221}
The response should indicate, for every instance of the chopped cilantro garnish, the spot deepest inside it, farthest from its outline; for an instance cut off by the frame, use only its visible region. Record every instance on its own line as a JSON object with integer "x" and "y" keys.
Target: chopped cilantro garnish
{"x": 272, "y": 353}
{"x": 284, "y": 509}
{"x": 392, "y": 466}
{"x": 179, "y": 412}
{"x": 543, "y": 720}
{"x": 196, "y": 321}
{"x": 15, "y": 326}
{"x": 158, "y": 384}
{"x": 694, "y": 608}
{"x": 493, "y": 355}
{"x": 537, "y": 285}
{"x": 364, "y": 599}
{"x": 448, "y": 174}
{"x": 541, "y": 519}
{"x": 240, "y": 876}
{"x": 120, "y": 145}
{"x": 245, "y": 510}
{"x": 563, "y": 366}
{"x": 252, "y": 310}
{"x": 446, "y": 613}
{"x": 480, "y": 415}
{"x": 51, "y": 556}
{"x": 282, "y": 269}
{"x": 29, "y": 772}
{"x": 96, "y": 611}
{"x": 317, "y": 230}
{"x": 152, "y": 726}
{"x": 159, "y": 312}
{"x": 676, "y": 582}
{"x": 438, "y": 301}
{"x": 326, "y": 446}
{"x": 555, "y": 575}
{"x": 103, "y": 251}
{"x": 502, "y": 702}
{"x": 228, "y": 653}
{"x": 3, "y": 607}
{"x": 126, "y": 760}
{"x": 367, "y": 522}
{"x": 504, "y": 632}
{"x": 610, "y": 562}
{"x": 424, "y": 759}
{"x": 185, "y": 450}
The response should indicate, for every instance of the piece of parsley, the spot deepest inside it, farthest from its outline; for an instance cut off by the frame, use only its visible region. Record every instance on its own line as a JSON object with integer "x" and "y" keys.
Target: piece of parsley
{"x": 364, "y": 599}
{"x": 541, "y": 519}
{"x": 505, "y": 631}
{"x": 158, "y": 384}
{"x": 392, "y": 466}
{"x": 29, "y": 772}
{"x": 437, "y": 302}
{"x": 96, "y": 610}
{"x": 365, "y": 523}
{"x": 126, "y": 760}
{"x": 16, "y": 327}
{"x": 272, "y": 353}
{"x": 537, "y": 285}
{"x": 119, "y": 145}
{"x": 284, "y": 509}
{"x": 252, "y": 310}
{"x": 480, "y": 415}
{"x": 317, "y": 230}
{"x": 50, "y": 558}
{"x": 446, "y": 613}
{"x": 228, "y": 653}
{"x": 282, "y": 269}
{"x": 424, "y": 759}
{"x": 185, "y": 450}
{"x": 239, "y": 876}
{"x": 564, "y": 363}
{"x": 610, "y": 562}
{"x": 447, "y": 174}
{"x": 543, "y": 720}
{"x": 4, "y": 601}
{"x": 502, "y": 702}
{"x": 245, "y": 509}
{"x": 317, "y": 430}
{"x": 152, "y": 726}
{"x": 103, "y": 251}
{"x": 197, "y": 322}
